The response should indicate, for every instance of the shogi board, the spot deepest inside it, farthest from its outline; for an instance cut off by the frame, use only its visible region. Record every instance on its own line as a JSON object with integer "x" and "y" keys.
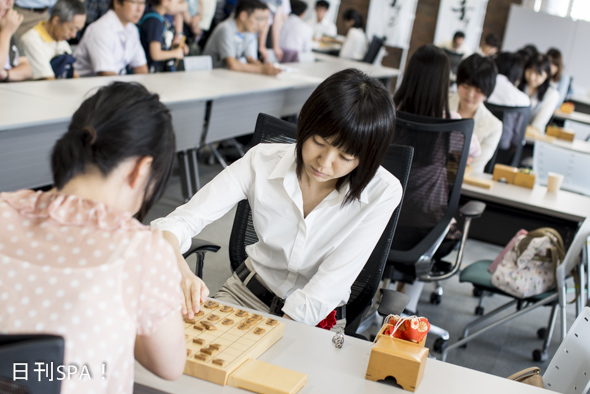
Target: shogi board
{"x": 225, "y": 338}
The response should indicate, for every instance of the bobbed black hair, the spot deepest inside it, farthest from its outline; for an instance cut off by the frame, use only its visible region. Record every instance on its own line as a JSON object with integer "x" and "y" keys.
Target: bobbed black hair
{"x": 510, "y": 64}
{"x": 298, "y": 7}
{"x": 478, "y": 71}
{"x": 458, "y": 34}
{"x": 353, "y": 15}
{"x": 249, "y": 6}
{"x": 120, "y": 121}
{"x": 322, "y": 3}
{"x": 539, "y": 64}
{"x": 356, "y": 113}
{"x": 425, "y": 87}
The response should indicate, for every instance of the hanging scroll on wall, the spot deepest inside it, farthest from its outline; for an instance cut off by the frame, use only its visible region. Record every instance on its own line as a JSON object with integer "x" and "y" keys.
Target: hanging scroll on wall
{"x": 460, "y": 15}
{"x": 393, "y": 19}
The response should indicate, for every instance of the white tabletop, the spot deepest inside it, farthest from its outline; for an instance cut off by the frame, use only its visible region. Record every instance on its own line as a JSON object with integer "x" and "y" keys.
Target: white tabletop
{"x": 562, "y": 204}
{"x": 310, "y": 350}
{"x": 575, "y": 116}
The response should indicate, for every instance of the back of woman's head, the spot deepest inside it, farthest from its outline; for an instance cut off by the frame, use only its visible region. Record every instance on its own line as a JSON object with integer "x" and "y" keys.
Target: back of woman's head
{"x": 511, "y": 65}
{"x": 425, "y": 88}
{"x": 539, "y": 64}
{"x": 356, "y": 114}
{"x": 556, "y": 59}
{"x": 353, "y": 15}
{"x": 119, "y": 122}
{"x": 478, "y": 71}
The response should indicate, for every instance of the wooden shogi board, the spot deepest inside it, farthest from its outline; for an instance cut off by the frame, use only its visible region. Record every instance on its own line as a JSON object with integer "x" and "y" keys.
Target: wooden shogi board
{"x": 221, "y": 338}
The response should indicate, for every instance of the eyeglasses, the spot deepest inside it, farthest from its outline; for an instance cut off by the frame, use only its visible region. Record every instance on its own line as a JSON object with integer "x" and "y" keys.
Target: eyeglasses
{"x": 134, "y": 2}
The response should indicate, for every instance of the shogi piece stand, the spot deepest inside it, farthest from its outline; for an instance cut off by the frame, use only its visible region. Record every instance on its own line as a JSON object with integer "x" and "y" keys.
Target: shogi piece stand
{"x": 403, "y": 360}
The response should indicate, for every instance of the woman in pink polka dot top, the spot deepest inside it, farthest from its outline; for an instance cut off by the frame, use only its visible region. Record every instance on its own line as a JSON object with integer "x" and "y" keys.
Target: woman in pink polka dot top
{"x": 76, "y": 263}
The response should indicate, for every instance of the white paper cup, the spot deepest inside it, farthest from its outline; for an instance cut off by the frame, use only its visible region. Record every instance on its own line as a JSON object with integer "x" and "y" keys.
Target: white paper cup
{"x": 554, "y": 181}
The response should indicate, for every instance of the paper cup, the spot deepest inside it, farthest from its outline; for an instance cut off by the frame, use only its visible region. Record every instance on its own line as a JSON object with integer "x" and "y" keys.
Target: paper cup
{"x": 554, "y": 181}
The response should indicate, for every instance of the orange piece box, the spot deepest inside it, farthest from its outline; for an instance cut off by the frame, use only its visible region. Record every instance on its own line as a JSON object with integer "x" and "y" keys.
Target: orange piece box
{"x": 567, "y": 108}
{"x": 525, "y": 179}
{"x": 560, "y": 132}
{"x": 502, "y": 171}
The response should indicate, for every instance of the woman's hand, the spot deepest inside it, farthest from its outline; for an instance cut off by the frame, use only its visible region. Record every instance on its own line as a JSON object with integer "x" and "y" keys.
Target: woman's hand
{"x": 194, "y": 289}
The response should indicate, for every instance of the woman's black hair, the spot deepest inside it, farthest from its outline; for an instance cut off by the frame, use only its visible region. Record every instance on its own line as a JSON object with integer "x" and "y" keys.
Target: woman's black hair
{"x": 539, "y": 64}
{"x": 356, "y": 113}
{"x": 353, "y": 15}
{"x": 120, "y": 121}
{"x": 478, "y": 71}
{"x": 556, "y": 59}
{"x": 511, "y": 65}
{"x": 425, "y": 87}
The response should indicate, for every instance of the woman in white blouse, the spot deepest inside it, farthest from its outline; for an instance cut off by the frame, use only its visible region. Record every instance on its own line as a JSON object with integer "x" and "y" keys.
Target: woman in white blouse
{"x": 544, "y": 97}
{"x": 318, "y": 206}
{"x": 356, "y": 44}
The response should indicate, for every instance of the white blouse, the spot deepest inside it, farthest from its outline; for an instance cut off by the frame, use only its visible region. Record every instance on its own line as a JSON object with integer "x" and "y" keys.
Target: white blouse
{"x": 355, "y": 45}
{"x": 311, "y": 261}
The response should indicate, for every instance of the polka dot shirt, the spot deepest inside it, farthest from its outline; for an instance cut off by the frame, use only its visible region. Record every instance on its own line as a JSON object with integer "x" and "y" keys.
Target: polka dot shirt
{"x": 92, "y": 274}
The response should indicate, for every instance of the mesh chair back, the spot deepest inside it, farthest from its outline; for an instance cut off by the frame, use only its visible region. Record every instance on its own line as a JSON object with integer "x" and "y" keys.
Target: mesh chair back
{"x": 373, "y": 50}
{"x": 432, "y": 195}
{"x": 514, "y": 123}
{"x": 454, "y": 59}
{"x": 397, "y": 161}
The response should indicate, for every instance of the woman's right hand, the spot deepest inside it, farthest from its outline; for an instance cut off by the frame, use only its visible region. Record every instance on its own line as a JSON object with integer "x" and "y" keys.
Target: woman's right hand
{"x": 10, "y": 22}
{"x": 194, "y": 289}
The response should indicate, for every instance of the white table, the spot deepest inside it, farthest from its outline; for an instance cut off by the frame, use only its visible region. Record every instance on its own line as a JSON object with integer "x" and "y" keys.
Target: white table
{"x": 310, "y": 350}
{"x": 514, "y": 207}
{"x": 36, "y": 113}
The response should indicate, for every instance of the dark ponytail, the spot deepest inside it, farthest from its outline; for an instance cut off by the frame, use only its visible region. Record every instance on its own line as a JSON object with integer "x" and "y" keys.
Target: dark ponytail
{"x": 121, "y": 121}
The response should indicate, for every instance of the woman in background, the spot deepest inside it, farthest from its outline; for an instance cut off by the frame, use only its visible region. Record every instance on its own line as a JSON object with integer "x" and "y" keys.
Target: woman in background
{"x": 355, "y": 45}
{"x": 559, "y": 79}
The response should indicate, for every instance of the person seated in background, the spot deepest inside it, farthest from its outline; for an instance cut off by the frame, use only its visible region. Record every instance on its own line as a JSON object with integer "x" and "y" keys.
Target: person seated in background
{"x": 157, "y": 33}
{"x": 46, "y": 45}
{"x": 355, "y": 44}
{"x": 560, "y": 80}
{"x": 457, "y": 44}
{"x": 77, "y": 263}
{"x": 233, "y": 43}
{"x": 510, "y": 69}
{"x": 322, "y": 26}
{"x": 476, "y": 79}
{"x": 111, "y": 45}
{"x": 537, "y": 85}
{"x": 319, "y": 205}
{"x": 296, "y": 35}
{"x": 14, "y": 67}
{"x": 490, "y": 45}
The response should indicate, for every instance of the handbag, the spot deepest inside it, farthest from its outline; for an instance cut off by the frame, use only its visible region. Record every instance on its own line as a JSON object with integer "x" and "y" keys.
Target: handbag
{"x": 531, "y": 376}
{"x": 528, "y": 268}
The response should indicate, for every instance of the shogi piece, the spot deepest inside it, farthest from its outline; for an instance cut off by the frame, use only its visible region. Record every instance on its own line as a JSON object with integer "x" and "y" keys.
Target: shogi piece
{"x": 505, "y": 172}
{"x": 402, "y": 360}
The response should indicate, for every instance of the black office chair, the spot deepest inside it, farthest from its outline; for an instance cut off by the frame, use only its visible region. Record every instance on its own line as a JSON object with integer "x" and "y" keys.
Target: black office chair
{"x": 514, "y": 124}
{"x": 398, "y": 161}
{"x": 431, "y": 202}
{"x": 30, "y": 349}
{"x": 373, "y": 50}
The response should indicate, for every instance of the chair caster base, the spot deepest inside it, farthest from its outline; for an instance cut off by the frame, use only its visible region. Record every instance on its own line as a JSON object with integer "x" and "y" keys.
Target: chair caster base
{"x": 435, "y": 298}
{"x": 539, "y": 355}
{"x": 440, "y": 345}
{"x": 479, "y": 310}
{"x": 542, "y": 333}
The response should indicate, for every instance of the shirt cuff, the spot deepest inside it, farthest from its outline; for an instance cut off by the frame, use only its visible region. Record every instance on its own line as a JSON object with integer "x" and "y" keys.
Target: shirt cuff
{"x": 165, "y": 224}
{"x": 304, "y": 309}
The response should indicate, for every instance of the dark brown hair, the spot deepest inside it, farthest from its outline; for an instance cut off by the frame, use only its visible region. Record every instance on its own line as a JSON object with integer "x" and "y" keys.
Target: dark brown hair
{"x": 556, "y": 59}
{"x": 356, "y": 113}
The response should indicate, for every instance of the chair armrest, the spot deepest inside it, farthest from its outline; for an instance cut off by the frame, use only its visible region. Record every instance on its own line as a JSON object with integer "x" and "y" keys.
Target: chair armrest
{"x": 473, "y": 209}
{"x": 393, "y": 302}
{"x": 200, "y": 247}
